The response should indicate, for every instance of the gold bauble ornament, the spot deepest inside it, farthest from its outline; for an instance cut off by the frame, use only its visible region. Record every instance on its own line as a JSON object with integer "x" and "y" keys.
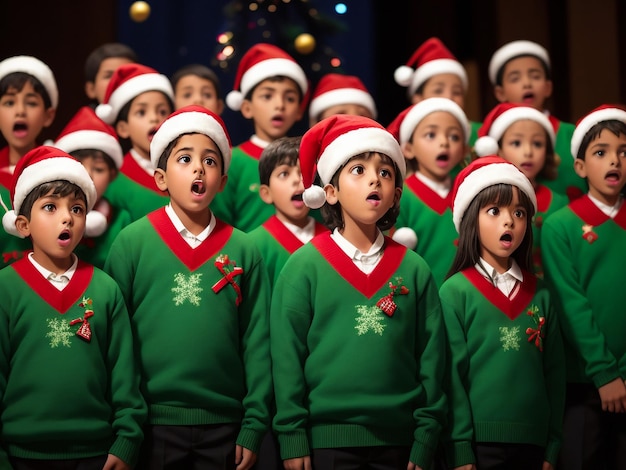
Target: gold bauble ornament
{"x": 139, "y": 11}
{"x": 305, "y": 43}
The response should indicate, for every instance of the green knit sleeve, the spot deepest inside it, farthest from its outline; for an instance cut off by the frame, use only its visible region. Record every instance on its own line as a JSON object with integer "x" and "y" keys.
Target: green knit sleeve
{"x": 5, "y": 354}
{"x": 119, "y": 265}
{"x": 458, "y": 435}
{"x": 576, "y": 315}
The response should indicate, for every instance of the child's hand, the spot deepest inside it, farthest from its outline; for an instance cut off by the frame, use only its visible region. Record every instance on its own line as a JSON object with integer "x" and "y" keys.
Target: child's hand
{"x": 244, "y": 458}
{"x": 299, "y": 463}
{"x": 547, "y": 466}
{"x": 412, "y": 466}
{"x": 115, "y": 463}
{"x": 469, "y": 466}
{"x": 613, "y": 396}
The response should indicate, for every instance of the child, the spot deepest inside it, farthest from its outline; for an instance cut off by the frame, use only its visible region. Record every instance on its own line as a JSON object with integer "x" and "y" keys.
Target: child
{"x": 281, "y": 185}
{"x": 269, "y": 89}
{"x": 520, "y": 73}
{"x": 198, "y": 296}
{"x": 506, "y": 375}
{"x": 137, "y": 101}
{"x": 100, "y": 65}
{"x": 69, "y": 385}
{"x": 433, "y": 135}
{"x": 28, "y": 101}
{"x": 584, "y": 259}
{"x": 197, "y": 84}
{"x": 525, "y": 137}
{"x": 437, "y": 73}
{"x": 95, "y": 145}
{"x": 356, "y": 330}
{"x": 340, "y": 94}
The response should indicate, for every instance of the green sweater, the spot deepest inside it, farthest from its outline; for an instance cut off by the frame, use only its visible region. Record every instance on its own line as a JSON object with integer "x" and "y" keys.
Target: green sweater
{"x": 345, "y": 373}
{"x": 584, "y": 258}
{"x": 501, "y": 386}
{"x": 64, "y": 397}
{"x": 135, "y": 191}
{"x": 204, "y": 356}
{"x": 548, "y": 202}
{"x": 430, "y": 217}
{"x": 11, "y": 247}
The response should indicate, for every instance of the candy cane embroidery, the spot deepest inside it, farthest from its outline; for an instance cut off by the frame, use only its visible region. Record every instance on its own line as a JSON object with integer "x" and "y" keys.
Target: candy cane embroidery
{"x": 229, "y": 270}
{"x": 84, "y": 330}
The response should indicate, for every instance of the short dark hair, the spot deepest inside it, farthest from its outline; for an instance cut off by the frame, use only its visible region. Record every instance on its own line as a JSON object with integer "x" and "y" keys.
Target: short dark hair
{"x": 468, "y": 252}
{"x": 17, "y": 80}
{"x": 162, "y": 163}
{"x": 283, "y": 151}
{"x": 61, "y": 188}
{"x": 276, "y": 78}
{"x": 332, "y": 214}
{"x": 546, "y": 68}
{"x": 81, "y": 154}
{"x": 106, "y": 51}
{"x": 616, "y": 127}
{"x": 198, "y": 70}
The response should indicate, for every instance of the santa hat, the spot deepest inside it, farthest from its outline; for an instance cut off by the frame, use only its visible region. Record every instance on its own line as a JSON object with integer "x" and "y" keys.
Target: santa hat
{"x": 191, "y": 119}
{"x": 335, "y": 89}
{"x": 44, "y": 165}
{"x": 606, "y": 112}
{"x": 511, "y": 51}
{"x": 430, "y": 59}
{"x": 127, "y": 82}
{"x": 260, "y": 62}
{"x": 500, "y": 119}
{"x": 330, "y": 143}
{"x": 403, "y": 126}
{"x": 36, "y": 68}
{"x": 87, "y": 131}
{"x": 480, "y": 174}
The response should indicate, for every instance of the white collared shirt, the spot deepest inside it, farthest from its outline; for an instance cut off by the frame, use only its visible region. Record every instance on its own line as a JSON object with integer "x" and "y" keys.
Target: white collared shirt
{"x": 440, "y": 188}
{"x": 256, "y": 140}
{"x": 366, "y": 262}
{"x": 610, "y": 211}
{"x": 505, "y": 282}
{"x": 304, "y": 234}
{"x": 192, "y": 240}
{"x": 59, "y": 281}
{"x": 144, "y": 163}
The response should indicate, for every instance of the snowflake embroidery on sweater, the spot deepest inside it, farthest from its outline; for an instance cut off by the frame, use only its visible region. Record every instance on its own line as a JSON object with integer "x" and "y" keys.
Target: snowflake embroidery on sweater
{"x": 370, "y": 318}
{"x": 510, "y": 338}
{"x": 187, "y": 289}
{"x": 59, "y": 333}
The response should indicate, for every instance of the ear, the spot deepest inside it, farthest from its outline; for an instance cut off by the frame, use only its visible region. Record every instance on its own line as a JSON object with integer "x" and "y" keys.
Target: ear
{"x": 246, "y": 109}
{"x": 407, "y": 151}
{"x": 90, "y": 90}
{"x": 548, "y": 92}
{"x": 160, "y": 178}
{"x": 580, "y": 168}
{"x": 266, "y": 194}
{"x": 397, "y": 196}
{"x": 224, "y": 180}
{"x": 50, "y": 113}
{"x": 332, "y": 196}
{"x": 498, "y": 91}
{"x": 219, "y": 107}
{"x": 416, "y": 98}
{"x": 23, "y": 226}
{"x": 122, "y": 129}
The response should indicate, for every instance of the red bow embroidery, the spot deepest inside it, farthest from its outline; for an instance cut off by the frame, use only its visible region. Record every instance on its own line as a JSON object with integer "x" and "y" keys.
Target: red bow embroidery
{"x": 536, "y": 334}
{"x": 387, "y": 304}
{"x": 84, "y": 331}
{"x": 222, "y": 263}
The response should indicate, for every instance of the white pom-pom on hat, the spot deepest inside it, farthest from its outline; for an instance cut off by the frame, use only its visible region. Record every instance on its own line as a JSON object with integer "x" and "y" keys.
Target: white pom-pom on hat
{"x": 8, "y": 223}
{"x": 314, "y": 197}
{"x": 105, "y": 112}
{"x": 234, "y": 99}
{"x": 403, "y": 75}
{"x": 486, "y": 146}
{"x": 95, "y": 224}
{"x": 405, "y": 236}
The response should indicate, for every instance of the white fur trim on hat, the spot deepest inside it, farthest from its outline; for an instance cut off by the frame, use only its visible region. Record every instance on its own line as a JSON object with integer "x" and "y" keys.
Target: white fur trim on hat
{"x": 365, "y": 139}
{"x": 129, "y": 90}
{"x": 186, "y": 123}
{"x": 585, "y": 125}
{"x": 437, "y": 67}
{"x": 89, "y": 139}
{"x": 515, "y": 49}
{"x": 429, "y": 106}
{"x": 266, "y": 69}
{"x": 341, "y": 96}
{"x": 36, "y": 68}
{"x": 481, "y": 178}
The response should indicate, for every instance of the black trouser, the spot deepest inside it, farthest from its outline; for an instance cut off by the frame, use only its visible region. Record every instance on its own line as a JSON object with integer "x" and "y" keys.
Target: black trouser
{"x": 89, "y": 463}
{"x": 361, "y": 458}
{"x": 503, "y": 456}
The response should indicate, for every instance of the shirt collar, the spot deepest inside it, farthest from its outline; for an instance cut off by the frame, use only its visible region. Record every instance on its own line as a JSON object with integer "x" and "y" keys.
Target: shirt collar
{"x": 514, "y": 271}
{"x": 352, "y": 251}
{"x": 64, "y": 278}
{"x": 304, "y": 234}
{"x": 440, "y": 188}
{"x": 610, "y": 211}
{"x": 144, "y": 163}
{"x": 180, "y": 227}
{"x": 256, "y": 140}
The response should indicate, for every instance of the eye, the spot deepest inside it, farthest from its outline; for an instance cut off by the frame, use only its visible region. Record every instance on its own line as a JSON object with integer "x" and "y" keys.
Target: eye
{"x": 141, "y": 112}
{"x": 515, "y": 143}
{"x": 357, "y": 170}
{"x": 519, "y": 213}
{"x": 184, "y": 159}
{"x": 210, "y": 161}
{"x": 49, "y": 207}
{"x": 187, "y": 95}
{"x": 538, "y": 144}
{"x": 599, "y": 153}
{"x": 455, "y": 137}
{"x": 78, "y": 209}
{"x": 493, "y": 211}
{"x": 8, "y": 102}
{"x": 283, "y": 174}
{"x": 429, "y": 135}
{"x": 386, "y": 173}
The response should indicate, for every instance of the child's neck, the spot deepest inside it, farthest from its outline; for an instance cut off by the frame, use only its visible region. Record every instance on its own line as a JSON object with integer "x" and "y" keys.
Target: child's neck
{"x": 194, "y": 222}
{"x": 301, "y": 223}
{"x": 362, "y": 236}
{"x": 142, "y": 153}
{"x": 55, "y": 265}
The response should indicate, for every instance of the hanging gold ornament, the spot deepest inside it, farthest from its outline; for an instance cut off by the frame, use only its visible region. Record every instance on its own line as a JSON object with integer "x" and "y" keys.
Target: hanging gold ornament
{"x": 139, "y": 11}
{"x": 305, "y": 43}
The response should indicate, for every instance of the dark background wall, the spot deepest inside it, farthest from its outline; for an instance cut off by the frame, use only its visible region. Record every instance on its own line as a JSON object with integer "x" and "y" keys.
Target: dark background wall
{"x": 587, "y": 46}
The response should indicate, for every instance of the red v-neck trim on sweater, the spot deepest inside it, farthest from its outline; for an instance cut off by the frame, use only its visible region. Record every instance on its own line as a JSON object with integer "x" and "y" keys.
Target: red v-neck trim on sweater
{"x": 284, "y": 236}
{"x": 60, "y": 300}
{"x": 512, "y": 308}
{"x": 428, "y": 196}
{"x": 366, "y": 284}
{"x": 591, "y": 214}
{"x": 193, "y": 258}
{"x": 131, "y": 168}
{"x": 251, "y": 149}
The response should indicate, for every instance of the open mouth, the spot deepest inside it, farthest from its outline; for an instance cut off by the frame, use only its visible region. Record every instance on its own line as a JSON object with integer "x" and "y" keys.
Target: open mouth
{"x": 277, "y": 119}
{"x": 373, "y": 197}
{"x": 20, "y": 127}
{"x": 296, "y": 197}
{"x": 506, "y": 238}
{"x": 64, "y": 236}
{"x": 197, "y": 187}
{"x": 613, "y": 176}
{"x": 151, "y": 133}
{"x": 444, "y": 157}
{"x": 528, "y": 96}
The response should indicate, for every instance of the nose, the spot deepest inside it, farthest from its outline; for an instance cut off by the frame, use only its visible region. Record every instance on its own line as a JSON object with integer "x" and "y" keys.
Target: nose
{"x": 279, "y": 102}
{"x": 507, "y": 218}
{"x": 20, "y": 108}
{"x": 66, "y": 215}
{"x": 527, "y": 149}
